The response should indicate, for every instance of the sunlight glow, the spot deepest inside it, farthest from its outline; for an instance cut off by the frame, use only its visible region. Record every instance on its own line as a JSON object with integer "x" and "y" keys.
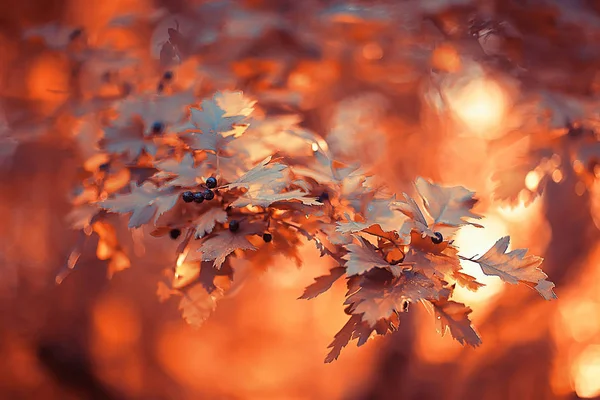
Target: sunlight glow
{"x": 532, "y": 180}
{"x": 481, "y": 105}
{"x": 471, "y": 240}
{"x": 585, "y": 372}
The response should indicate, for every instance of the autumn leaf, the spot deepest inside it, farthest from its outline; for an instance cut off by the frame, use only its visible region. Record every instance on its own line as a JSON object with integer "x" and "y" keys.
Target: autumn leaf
{"x": 376, "y": 212}
{"x": 223, "y": 243}
{"x": 264, "y": 198}
{"x": 447, "y": 205}
{"x": 381, "y": 302}
{"x": 355, "y": 328}
{"x": 515, "y": 266}
{"x": 264, "y": 173}
{"x": 234, "y": 103}
{"x": 145, "y": 202}
{"x": 322, "y": 283}
{"x": 127, "y": 139}
{"x": 362, "y": 257}
{"x": 211, "y": 118}
{"x": 197, "y": 304}
{"x": 206, "y": 222}
{"x": 156, "y": 108}
{"x": 212, "y": 141}
{"x": 183, "y": 172}
{"x": 455, "y": 317}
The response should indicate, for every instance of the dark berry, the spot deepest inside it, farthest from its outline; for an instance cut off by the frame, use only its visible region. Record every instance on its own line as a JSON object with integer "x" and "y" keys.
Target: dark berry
{"x": 405, "y": 305}
{"x": 211, "y": 182}
{"x": 437, "y": 238}
{"x": 174, "y": 233}
{"x": 104, "y": 167}
{"x": 168, "y": 75}
{"x": 234, "y": 225}
{"x": 188, "y": 196}
{"x": 323, "y": 197}
{"x": 267, "y": 237}
{"x": 157, "y": 127}
{"x": 198, "y": 197}
{"x": 75, "y": 34}
{"x": 208, "y": 194}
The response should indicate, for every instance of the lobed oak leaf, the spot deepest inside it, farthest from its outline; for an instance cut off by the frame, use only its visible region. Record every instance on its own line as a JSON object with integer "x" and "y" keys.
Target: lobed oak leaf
{"x": 355, "y": 328}
{"x": 322, "y": 283}
{"x": 234, "y": 103}
{"x": 379, "y": 212}
{"x": 515, "y": 266}
{"x": 411, "y": 209}
{"x": 184, "y": 172}
{"x": 223, "y": 243}
{"x": 362, "y": 257}
{"x": 197, "y": 304}
{"x": 211, "y": 118}
{"x": 455, "y": 317}
{"x": 447, "y": 205}
{"x": 127, "y": 139}
{"x": 205, "y": 223}
{"x": 264, "y": 173}
{"x": 264, "y": 198}
{"x": 145, "y": 202}
{"x": 380, "y": 302}
{"x": 210, "y": 141}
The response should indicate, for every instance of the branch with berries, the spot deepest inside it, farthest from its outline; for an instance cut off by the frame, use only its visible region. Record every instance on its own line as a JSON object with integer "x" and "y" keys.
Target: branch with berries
{"x": 222, "y": 182}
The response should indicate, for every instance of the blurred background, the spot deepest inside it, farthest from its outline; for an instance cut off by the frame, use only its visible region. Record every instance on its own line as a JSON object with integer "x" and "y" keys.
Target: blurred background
{"x": 438, "y": 88}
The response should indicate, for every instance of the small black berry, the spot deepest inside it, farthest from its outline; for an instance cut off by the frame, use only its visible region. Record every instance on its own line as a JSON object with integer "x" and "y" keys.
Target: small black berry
{"x": 75, "y": 34}
{"x": 267, "y": 237}
{"x": 405, "y": 305}
{"x": 188, "y": 196}
{"x": 234, "y": 225}
{"x": 168, "y": 75}
{"x": 211, "y": 182}
{"x": 174, "y": 233}
{"x": 208, "y": 194}
{"x": 198, "y": 197}
{"x": 157, "y": 127}
{"x": 323, "y": 197}
{"x": 438, "y": 238}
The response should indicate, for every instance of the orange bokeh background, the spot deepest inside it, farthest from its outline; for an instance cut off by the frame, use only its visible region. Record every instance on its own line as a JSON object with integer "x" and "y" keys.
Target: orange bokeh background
{"x": 263, "y": 343}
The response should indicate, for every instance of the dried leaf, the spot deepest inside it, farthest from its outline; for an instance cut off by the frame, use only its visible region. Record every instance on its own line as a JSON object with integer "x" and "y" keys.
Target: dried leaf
{"x": 362, "y": 257}
{"x": 264, "y": 173}
{"x": 375, "y": 303}
{"x": 455, "y": 317}
{"x": 197, "y": 304}
{"x": 145, "y": 202}
{"x": 219, "y": 246}
{"x": 514, "y": 267}
{"x": 447, "y": 205}
{"x": 184, "y": 173}
{"x": 206, "y": 222}
{"x": 322, "y": 283}
{"x": 264, "y": 198}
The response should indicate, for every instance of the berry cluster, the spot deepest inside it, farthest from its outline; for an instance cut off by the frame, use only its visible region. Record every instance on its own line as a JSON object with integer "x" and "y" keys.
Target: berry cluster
{"x": 199, "y": 197}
